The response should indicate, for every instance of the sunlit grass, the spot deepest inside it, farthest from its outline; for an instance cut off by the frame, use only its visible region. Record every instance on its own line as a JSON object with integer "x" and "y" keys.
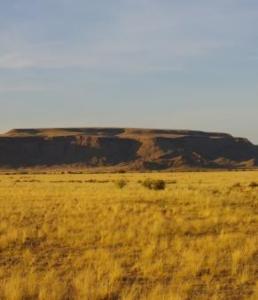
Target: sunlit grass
{"x": 82, "y": 236}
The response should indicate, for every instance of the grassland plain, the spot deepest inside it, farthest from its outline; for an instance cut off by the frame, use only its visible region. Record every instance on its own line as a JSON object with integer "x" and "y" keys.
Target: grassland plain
{"x": 82, "y": 236}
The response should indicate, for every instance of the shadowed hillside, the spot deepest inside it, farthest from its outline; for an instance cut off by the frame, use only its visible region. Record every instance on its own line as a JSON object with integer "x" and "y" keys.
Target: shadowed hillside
{"x": 134, "y": 149}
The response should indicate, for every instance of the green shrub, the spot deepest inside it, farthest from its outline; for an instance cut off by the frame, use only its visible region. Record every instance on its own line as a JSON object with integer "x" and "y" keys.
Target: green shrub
{"x": 121, "y": 183}
{"x": 153, "y": 184}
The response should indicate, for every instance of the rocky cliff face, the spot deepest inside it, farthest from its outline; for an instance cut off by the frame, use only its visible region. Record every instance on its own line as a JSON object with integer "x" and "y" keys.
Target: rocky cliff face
{"x": 127, "y": 148}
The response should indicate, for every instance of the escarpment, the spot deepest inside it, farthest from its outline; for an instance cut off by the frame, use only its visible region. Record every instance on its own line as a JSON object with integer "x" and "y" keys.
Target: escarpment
{"x": 134, "y": 149}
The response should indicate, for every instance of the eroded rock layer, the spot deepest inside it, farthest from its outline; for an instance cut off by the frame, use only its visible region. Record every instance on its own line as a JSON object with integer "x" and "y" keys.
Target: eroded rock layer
{"x": 139, "y": 149}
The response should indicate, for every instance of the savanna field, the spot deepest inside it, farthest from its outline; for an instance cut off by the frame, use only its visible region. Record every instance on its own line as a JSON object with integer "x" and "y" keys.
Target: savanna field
{"x": 109, "y": 237}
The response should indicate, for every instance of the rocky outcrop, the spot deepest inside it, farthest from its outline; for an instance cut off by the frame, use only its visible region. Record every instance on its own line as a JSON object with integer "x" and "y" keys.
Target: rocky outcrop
{"x": 142, "y": 149}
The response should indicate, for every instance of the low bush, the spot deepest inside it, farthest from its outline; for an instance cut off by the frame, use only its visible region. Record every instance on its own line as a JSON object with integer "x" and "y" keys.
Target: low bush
{"x": 153, "y": 184}
{"x": 236, "y": 185}
{"x": 121, "y": 183}
{"x": 253, "y": 184}
{"x": 121, "y": 171}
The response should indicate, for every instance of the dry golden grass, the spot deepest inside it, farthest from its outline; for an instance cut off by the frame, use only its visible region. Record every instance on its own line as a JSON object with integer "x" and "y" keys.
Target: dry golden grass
{"x": 79, "y": 236}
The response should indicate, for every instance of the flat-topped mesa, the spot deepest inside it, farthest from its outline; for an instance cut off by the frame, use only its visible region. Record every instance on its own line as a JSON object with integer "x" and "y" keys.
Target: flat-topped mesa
{"x": 52, "y": 132}
{"x": 127, "y": 148}
{"x": 110, "y": 132}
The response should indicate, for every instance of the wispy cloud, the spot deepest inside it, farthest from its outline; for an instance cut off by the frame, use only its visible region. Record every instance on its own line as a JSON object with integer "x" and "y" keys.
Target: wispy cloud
{"x": 16, "y": 61}
{"x": 23, "y": 87}
{"x": 144, "y": 36}
{"x": 128, "y": 61}
{"x": 112, "y": 56}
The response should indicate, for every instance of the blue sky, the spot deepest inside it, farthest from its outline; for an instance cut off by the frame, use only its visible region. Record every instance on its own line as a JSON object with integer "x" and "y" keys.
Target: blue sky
{"x": 137, "y": 63}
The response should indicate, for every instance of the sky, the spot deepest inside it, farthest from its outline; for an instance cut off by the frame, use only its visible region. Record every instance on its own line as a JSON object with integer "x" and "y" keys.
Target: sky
{"x": 175, "y": 64}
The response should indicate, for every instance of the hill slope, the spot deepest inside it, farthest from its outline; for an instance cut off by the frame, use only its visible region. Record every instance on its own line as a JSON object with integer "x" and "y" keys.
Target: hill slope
{"x": 140, "y": 149}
